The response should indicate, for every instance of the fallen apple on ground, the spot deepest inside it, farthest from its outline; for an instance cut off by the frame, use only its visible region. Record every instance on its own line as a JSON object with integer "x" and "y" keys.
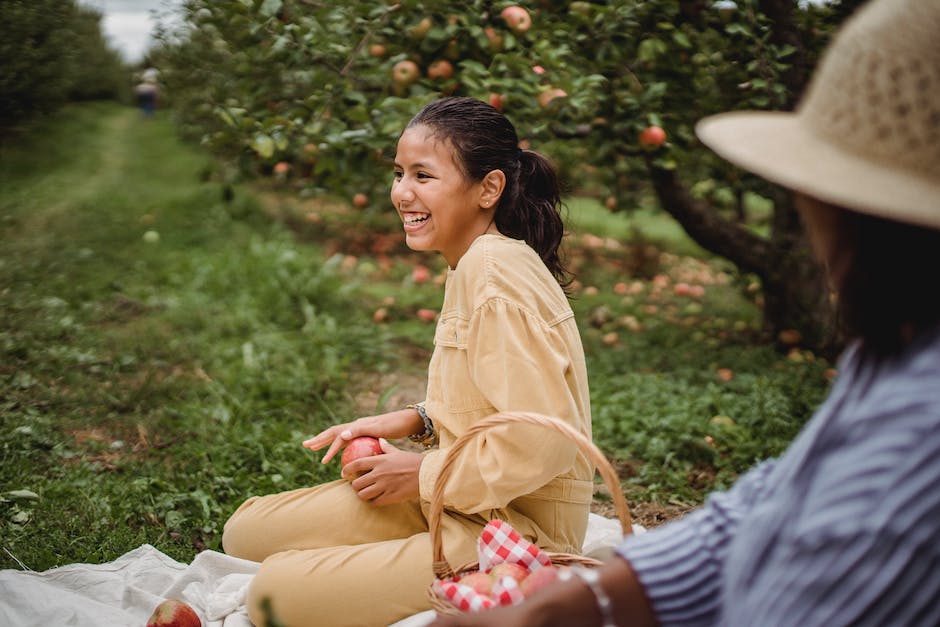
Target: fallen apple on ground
{"x": 363, "y": 446}
{"x": 174, "y": 613}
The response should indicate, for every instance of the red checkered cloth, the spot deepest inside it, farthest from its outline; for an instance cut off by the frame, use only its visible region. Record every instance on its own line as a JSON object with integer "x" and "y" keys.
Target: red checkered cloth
{"x": 498, "y": 543}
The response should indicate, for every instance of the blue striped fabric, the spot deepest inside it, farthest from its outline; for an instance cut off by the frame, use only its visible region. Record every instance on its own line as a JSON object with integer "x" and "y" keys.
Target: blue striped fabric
{"x": 843, "y": 529}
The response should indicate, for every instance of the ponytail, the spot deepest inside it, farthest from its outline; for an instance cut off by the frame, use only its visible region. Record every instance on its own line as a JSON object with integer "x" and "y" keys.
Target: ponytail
{"x": 485, "y": 140}
{"x": 529, "y": 209}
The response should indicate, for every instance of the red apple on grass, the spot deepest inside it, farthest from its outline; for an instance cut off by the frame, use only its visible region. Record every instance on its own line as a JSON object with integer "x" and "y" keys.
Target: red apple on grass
{"x": 363, "y": 446}
{"x": 420, "y": 274}
{"x": 427, "y": 315}
{"x": 174, "y": 613}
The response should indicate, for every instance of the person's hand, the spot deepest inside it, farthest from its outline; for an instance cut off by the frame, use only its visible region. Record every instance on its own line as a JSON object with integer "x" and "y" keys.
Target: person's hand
{"x": 569, "y": 604}
{"x": 393, "y": 425}
{"x": 385, "y": 479}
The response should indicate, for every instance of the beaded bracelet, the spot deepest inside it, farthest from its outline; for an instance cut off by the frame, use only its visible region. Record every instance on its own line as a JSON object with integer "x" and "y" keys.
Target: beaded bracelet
{"x": 592, "y": 580}
{"x": 427, "y": 437}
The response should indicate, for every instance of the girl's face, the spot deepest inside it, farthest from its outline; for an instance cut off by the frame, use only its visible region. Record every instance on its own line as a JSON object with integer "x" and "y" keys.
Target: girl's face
{"x": 440, "y": 209}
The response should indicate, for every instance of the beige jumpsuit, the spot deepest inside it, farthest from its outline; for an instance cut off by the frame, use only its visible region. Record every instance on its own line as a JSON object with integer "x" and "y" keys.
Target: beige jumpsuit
{"x": 506, "y": 340}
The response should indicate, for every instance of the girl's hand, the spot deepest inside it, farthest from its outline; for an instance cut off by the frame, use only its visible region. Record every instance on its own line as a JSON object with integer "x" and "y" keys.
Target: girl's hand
{"x": 385, "y": 479}
{"x": 393, "y": 425}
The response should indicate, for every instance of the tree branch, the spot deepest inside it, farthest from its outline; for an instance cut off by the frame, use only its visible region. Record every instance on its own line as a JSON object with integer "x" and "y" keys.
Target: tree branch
{"x": 710, "y": 230}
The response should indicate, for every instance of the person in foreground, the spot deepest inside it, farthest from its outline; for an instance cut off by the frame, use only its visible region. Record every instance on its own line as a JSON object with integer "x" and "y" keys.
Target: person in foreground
{"x": 357, "y": 551}
{"x": 844, "y": 528}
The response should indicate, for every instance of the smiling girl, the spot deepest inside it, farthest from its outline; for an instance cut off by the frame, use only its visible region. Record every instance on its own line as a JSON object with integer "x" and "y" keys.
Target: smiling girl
{"x": 357, "y": 551}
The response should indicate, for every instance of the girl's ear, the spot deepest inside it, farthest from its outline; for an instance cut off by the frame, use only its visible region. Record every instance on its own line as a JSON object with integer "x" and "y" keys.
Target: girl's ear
{"x": 491, "y": 188}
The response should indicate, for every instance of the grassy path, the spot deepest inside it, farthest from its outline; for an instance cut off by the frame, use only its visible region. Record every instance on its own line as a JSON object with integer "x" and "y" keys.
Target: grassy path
{"x": 152, "y": 380}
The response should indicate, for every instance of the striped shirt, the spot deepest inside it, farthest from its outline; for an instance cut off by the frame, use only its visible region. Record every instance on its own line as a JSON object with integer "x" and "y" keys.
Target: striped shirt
{"x": 842, "y": 529}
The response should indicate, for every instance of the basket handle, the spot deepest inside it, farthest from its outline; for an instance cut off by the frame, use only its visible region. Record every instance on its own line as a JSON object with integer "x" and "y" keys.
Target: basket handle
{"x": 441, "y": 568}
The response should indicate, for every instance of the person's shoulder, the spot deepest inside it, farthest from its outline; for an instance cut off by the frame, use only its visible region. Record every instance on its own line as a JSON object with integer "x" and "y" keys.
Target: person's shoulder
{"x": 499, "y": 267}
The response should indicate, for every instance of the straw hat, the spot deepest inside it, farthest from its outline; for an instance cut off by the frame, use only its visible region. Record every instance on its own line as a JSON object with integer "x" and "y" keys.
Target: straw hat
{"x": 866, "y": 135}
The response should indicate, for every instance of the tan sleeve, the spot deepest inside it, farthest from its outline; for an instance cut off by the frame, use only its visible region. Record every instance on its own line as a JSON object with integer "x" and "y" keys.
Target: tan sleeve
{"x": 519, "y": 364}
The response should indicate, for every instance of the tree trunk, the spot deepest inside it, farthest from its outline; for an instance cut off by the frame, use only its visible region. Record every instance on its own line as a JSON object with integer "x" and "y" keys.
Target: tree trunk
{"x": 795, "y": 288}
{"x": 795, "y": 292}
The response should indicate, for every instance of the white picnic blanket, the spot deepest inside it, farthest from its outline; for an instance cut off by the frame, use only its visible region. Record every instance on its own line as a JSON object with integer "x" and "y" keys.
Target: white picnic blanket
{"x": 125, "y": 592}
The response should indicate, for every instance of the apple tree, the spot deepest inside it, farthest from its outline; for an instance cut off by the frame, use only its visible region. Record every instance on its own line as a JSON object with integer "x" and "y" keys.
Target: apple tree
{"x": 51, "y": 52}
{"x": 316, "y": 94}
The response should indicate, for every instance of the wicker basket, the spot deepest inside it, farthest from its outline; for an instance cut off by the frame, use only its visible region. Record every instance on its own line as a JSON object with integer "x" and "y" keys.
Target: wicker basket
{"x": 442, "y": 569}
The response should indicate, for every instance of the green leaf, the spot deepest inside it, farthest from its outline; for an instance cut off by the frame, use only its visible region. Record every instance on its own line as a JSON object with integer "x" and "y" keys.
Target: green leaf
{"x": 682, "y": 39}
{"x": 263, "y": 145}
{"x": 270, "y": 8}
{"x": 22, "y": 495}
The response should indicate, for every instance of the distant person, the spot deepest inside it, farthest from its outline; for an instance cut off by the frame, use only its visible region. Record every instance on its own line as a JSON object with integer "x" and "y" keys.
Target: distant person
{"x": 147, "y": 91}
{"x": 844, "y": 528}
{"x": 358, "y": 551}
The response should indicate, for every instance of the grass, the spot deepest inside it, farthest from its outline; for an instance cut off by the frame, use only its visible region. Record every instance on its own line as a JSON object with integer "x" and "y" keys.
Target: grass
{"x": 164, "y": 350}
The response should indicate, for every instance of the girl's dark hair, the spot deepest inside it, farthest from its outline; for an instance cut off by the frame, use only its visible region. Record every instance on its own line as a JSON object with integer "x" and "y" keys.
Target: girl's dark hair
{"x": 485, "y": 140}
{"x": 888, "y": 293}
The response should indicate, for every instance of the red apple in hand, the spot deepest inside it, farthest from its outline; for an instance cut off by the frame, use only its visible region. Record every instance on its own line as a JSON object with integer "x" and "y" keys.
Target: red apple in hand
{"x": 363, "y": 446}
{"x": 174, "y": 613}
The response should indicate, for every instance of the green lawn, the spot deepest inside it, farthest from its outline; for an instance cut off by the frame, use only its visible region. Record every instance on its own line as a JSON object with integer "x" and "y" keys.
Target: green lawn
{"x": 164, "y": 350}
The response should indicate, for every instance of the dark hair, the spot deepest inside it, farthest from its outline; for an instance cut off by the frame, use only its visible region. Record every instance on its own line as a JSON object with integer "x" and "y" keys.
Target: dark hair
{"x": 888, "y": 293}
{"x": 485, "y": 140}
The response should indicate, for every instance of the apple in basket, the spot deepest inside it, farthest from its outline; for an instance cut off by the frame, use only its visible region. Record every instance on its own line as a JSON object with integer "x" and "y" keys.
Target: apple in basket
{"x": 363, "y": 446}
{"x": 174, "y": 613}
{"x": 509, "y": 569}
{"x": 544, "y": 576}
{"x": 481, "y": 582}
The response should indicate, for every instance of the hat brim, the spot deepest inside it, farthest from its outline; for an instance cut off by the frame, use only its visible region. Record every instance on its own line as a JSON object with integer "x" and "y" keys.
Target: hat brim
{"x": 781, "y": 148}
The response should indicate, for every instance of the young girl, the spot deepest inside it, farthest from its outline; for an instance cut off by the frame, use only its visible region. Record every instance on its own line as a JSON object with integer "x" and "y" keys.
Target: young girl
{"x": 844, "y": 527}
{"x": 357, "y": 551}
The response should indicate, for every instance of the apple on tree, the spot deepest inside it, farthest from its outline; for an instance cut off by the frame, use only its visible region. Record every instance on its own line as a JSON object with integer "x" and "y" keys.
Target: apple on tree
{"x": 360, "y": 200}
{"x": 420, "y": 30}
{"x": 442, "y": 68}
{"x": 497, "y": 101}
{"x": 404, "y": 73}
{"x": 174, "y": 613}
{"x": 517, "y": 19}
{"x": 652, "y": 137}
{"x": 545, "y": 98}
